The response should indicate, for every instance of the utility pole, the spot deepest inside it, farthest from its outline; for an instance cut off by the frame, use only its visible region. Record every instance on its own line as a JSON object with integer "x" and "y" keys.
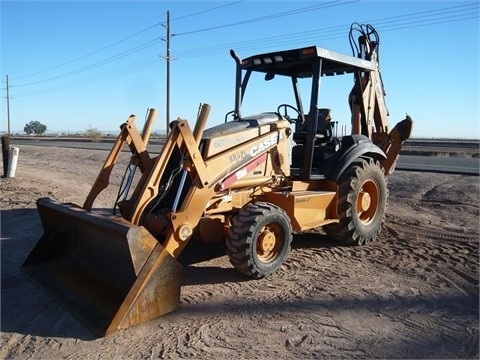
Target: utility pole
{"x": 8, "y": 106}
{"x": 168, "y": 74}
{"x": 168, "y": 58}
{"x": 6, "y": 138}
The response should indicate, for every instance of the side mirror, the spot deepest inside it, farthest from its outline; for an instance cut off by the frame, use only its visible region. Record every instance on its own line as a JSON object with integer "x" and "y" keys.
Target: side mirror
{"x": 269, "y": 76}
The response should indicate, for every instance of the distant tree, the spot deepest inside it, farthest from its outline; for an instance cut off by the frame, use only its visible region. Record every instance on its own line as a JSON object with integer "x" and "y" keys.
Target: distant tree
{"x": 93, "y": 133}
{"x": 35, "y": 127}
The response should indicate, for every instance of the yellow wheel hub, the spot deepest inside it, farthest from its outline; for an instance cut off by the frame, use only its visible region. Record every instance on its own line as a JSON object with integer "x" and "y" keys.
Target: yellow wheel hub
{"x": 269, "y": 242}
{"x": 368, "y": 201}
{"x": 364, "y": 201}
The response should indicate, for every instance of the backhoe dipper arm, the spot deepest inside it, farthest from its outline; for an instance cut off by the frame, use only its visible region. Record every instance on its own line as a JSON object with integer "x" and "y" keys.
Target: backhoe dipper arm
{"x": 367, "y": 101}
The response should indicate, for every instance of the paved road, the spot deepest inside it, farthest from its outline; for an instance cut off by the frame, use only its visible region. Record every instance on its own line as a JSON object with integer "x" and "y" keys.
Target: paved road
{"x": 455, "y": 165}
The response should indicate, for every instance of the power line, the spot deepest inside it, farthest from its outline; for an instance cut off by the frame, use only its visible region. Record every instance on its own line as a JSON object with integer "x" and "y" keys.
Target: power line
{"x": 88, "y": 54}
{"x": 268, "y": 17}
{"x": 207, "y": 10}
{"x": 429, "y": 22}
{"x": 98, "y": 63}
{"x": 97, "y": 78}
{"x": 256, "y": 43}
{"x": 425, "y": 18}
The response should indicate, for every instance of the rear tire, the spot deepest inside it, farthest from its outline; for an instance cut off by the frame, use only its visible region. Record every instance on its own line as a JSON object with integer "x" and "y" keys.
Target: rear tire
{"x": 259, "y": 239}
{"x": 362, "y": 202}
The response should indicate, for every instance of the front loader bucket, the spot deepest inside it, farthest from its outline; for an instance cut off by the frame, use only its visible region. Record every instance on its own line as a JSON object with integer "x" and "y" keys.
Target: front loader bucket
{"x": 109, "y": 273}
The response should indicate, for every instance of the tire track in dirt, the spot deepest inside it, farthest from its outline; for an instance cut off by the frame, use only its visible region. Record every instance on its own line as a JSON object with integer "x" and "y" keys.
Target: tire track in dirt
{"x": 266, "y": 299}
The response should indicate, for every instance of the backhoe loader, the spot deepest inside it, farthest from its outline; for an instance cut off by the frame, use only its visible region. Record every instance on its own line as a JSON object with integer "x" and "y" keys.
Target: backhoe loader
{"x": 249, "y": 182}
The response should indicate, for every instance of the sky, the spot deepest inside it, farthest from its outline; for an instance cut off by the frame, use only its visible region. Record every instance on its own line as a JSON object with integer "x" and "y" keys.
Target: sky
{"x": 78, "y": 65}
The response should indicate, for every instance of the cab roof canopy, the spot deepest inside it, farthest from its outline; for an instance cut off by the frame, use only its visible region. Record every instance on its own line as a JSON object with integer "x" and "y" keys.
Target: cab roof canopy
{"x": 301, "y": 62}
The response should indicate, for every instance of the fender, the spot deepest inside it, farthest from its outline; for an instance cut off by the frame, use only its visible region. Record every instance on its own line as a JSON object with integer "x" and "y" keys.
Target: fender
{"x": 353, "y": 147}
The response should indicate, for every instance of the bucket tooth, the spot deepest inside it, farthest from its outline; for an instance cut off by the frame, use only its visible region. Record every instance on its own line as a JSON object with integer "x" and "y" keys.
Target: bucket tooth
{"x": 109, "y": 273}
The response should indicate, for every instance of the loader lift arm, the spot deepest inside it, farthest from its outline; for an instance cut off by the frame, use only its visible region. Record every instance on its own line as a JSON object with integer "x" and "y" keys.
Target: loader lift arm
{"x": 138, "y": 146}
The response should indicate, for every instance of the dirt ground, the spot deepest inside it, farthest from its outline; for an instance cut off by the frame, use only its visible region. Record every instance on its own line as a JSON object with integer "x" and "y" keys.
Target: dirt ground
{"x": 412, "y": 294}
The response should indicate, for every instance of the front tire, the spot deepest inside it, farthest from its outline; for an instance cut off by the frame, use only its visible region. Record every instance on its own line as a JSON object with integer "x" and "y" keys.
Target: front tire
{"x": 362, "y": 202}
{"x": 259, "y": 239}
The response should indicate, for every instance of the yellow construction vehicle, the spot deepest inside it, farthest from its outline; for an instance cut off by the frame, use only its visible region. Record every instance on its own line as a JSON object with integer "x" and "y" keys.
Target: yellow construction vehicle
{"x": 249, "y": 182}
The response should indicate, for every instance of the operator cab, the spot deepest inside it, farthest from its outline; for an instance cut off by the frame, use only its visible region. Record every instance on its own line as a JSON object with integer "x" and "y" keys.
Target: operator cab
{"x": 314, "y": 135}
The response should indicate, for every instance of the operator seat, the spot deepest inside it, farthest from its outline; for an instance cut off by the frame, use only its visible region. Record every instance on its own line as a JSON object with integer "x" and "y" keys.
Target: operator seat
{"x": 320, "y": 139}
{"x": 323, "y": 127}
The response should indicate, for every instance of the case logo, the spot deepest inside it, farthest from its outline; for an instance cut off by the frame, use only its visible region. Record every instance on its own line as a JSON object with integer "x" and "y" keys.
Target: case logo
{"x": 264, "y": 145}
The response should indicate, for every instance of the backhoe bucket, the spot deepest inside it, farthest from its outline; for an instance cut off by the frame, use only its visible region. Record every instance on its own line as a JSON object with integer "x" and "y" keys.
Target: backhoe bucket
{"x": 109, "y": 273}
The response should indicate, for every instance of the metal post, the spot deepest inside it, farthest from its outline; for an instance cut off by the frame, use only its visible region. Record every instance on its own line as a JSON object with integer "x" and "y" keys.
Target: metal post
{"x": 5, "y": 153}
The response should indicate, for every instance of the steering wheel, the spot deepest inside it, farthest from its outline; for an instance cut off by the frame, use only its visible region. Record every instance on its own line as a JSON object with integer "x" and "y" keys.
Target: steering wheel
{"x": 229, "y": 113}
{"x": 285, "y": 112}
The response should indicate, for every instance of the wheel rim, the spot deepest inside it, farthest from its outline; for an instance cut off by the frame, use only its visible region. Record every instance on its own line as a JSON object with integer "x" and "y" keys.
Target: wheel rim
{"x": 367, "y": 202}
{"x": 269, "y": 243}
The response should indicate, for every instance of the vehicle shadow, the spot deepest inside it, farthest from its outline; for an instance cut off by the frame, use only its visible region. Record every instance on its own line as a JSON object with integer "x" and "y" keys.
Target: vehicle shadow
{"x": 25, "y": 308}
{"x": 313, "y": 240}
{"x": 196, "y": 252}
